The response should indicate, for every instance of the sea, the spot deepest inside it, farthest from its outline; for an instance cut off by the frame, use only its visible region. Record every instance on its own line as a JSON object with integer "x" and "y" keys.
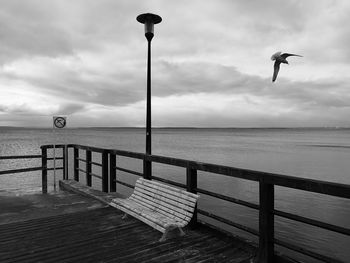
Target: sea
{"x": 316, "y": 153}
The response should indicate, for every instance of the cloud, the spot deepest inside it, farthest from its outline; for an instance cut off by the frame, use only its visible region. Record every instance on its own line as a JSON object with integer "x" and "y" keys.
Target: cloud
{"x": 87, "y": 59}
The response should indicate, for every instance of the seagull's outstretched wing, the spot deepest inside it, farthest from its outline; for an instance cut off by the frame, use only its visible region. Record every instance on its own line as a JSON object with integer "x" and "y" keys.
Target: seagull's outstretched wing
{"x": 285, "y": 55}
{"x": 276, "y": 55}
{"x": 276, "y": 68}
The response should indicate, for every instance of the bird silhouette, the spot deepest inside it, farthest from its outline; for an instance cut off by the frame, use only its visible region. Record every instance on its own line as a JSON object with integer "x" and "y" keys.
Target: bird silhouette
{"x": 280, "y": 58}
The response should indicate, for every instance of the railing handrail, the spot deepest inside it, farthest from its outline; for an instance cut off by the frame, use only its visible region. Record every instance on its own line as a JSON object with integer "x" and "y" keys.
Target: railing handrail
{"x": 306, "y": 184}
{"x": 33, "y": 156}
{"x": 20, "y": 170}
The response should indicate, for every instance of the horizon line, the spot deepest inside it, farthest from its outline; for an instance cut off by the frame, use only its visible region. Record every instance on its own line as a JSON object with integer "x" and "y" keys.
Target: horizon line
{"x": 177, "y": 127}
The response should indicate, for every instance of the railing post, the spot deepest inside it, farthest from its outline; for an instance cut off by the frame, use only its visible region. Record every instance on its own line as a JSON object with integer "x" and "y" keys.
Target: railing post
{"x": 191, "y": 182}
{"x": 266, "y": 223}
{"x": 65, "y": 162}
{"x": 88, "y": 168}
{"x": 112, "y": 173}
{"x": 105, "y": 171}
{"x": 147, "y": 169}
{"x": 76, "y": 164}
{"x": 44, "y": 169}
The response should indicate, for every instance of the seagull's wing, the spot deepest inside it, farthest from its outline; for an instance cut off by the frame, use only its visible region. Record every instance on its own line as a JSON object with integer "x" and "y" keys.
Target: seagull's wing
{"x": 276, "y": 55}
{"x": 276, "y": 68}
{"x": 285, "y": 55}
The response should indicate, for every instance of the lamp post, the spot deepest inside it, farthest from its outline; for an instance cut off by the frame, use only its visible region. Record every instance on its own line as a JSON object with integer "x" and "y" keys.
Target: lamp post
{"x": 149, "y": 20}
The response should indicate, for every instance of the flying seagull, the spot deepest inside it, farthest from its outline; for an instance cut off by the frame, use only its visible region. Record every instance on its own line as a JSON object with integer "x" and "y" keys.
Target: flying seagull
{"x": 280, "y": 58}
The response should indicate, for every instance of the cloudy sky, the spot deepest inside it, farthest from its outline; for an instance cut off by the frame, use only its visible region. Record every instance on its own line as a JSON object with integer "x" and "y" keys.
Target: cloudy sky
{"x": 211, "y": 67}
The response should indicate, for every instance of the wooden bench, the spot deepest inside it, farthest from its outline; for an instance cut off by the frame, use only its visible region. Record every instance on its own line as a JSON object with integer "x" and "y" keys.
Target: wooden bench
{"x": 161, "y": 206}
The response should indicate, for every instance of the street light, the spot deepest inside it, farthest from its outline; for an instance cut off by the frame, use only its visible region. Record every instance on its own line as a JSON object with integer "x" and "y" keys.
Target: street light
{"x": 149, "y": 20}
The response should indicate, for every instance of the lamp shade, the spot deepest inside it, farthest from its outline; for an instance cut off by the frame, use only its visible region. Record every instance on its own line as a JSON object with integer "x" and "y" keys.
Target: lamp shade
{"x": 149, "y": 20}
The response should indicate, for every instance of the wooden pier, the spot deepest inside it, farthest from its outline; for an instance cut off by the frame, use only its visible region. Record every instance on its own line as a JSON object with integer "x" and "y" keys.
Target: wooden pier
{"x": 101, "y": 235}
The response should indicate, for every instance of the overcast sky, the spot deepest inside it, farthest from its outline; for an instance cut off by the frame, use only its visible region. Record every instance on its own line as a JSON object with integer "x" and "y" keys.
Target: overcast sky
{"x": 211, "y": 66}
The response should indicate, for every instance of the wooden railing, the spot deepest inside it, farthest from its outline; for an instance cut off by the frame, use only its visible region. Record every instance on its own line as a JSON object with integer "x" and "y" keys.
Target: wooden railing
{"x": 44, "y": 158}
{"x": 266, "y": 181}
{"x": 20, "y": 170}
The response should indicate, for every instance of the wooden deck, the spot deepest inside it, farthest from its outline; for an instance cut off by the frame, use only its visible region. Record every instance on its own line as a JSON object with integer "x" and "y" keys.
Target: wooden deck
{"x": 100, "y": 235}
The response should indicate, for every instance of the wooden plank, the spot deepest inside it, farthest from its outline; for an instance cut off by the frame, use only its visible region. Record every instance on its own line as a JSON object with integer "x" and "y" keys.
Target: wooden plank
{"x": 112, "y": 173}
{"x": 125, "y": 184}
{"x": 184, "y": 194}
{"x": 166, "y": 198}
{"x": 20, "y": 157}
{"x": 169, "y": 182}
{"x": 171, "y": 191}
{"x": 229, "y": 198}
{"x": 22, "y": 170}
{"x": 44, "y": 170}
{"x": 65, "y": 162}
{"x": 88, "y": 168}
{"x": 104, "y": 171}
{"x": 101, "y": 236}
{"x": 266, "y": 223}
{"x": 96, "y": 164}
{"x": 164, "y": 210}
{"x": 167, "y": 212}
{"x": 159, "y": 202}
{"x": 128, "y": 171}
{"x": 191, "y": 182}
{"x": 175, "y": 196}
{"x": 76, "y": 164}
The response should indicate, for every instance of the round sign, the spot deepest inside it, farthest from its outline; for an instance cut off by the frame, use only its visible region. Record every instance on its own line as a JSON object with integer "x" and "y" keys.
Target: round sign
{"x": 59, "y": 122}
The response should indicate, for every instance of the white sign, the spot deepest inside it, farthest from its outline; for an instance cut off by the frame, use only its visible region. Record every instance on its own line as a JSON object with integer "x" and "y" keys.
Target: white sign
{"x": 59, "y": 122}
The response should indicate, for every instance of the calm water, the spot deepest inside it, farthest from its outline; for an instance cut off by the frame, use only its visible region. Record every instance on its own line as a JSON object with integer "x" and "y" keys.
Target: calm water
{"x": 322, "y": 154}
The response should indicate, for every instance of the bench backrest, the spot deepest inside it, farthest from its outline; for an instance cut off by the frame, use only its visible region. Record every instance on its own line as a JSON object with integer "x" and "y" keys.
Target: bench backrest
{"x": 167, "y": 200}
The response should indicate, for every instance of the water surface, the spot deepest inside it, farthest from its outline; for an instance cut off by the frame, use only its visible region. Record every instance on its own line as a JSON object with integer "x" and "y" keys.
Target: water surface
{"x": 322, "y": 154}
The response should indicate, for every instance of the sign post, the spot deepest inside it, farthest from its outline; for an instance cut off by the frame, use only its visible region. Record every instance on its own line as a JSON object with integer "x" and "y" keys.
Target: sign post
{"x": 59, "y": 122}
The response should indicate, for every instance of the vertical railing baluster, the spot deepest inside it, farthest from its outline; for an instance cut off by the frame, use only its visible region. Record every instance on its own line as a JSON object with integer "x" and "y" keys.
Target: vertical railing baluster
{"x": 105, "y": 171}
{"x": 147, "y": 169}
{"x": 65, "y": 162}
{"x": 88, "y": 168}
{"x": 266, "y": 223}
{"x": 44, "y": 169}
{"x": 191, "y": 182}
{"x": 76, "y": 164}
{"x": 112, "y": 173}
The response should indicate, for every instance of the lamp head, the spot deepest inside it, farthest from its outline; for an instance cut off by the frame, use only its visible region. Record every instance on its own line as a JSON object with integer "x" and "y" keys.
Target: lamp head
{"x": 149, "y": 20}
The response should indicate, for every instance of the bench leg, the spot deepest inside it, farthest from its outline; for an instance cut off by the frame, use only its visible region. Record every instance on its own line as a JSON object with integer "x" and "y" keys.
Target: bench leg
{"x": 182, "y": 233}
{"x": 125, "y": 216}
{"x": 163, "y": 238}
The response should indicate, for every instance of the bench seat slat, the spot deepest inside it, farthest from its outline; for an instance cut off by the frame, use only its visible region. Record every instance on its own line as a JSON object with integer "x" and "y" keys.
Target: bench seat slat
{"x": 166, "y": 211}
{"x": 171, "y": 197}
{"x": 163, "y": 210}
{"x": 171, "y": 190}
{"x": 161, "y": 200}
{"x": 181, "y": 194}
{"x": 164, "y": 186}
{"x": 157, "y": 203}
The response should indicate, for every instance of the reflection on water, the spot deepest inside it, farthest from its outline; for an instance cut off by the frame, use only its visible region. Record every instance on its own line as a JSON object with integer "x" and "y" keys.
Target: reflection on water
{"x": 317, "y": 154}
